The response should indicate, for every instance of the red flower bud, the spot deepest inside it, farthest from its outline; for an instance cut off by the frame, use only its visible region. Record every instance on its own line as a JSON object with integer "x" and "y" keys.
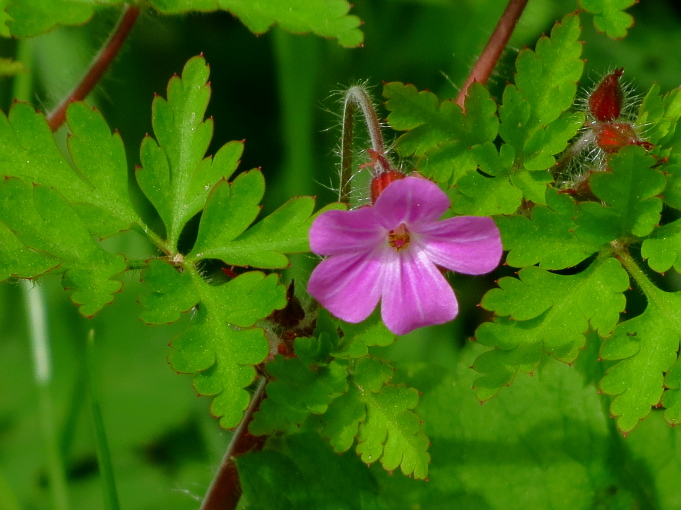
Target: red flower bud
{"x": 613, "y": 136}
{"x": 605, "y": 102}
{"x": 382, "y": 180}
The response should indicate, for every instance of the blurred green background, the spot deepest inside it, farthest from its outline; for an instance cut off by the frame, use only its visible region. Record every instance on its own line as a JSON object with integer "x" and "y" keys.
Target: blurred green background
{"x": 276, "y": 91}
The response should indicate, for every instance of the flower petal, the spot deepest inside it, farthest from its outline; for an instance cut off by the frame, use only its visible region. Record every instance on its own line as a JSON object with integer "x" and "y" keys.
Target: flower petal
{"x": 413, "y": 201}
{"x": 415, "y": 293}
{"x": 464, "y": 244}
{"x": 348, "y": 286}
{"x": 346, "y": 232}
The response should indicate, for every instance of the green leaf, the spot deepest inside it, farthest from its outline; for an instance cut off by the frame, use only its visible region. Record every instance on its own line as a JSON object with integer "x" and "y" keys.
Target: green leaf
{"x": 541, "y": 311}
{"x": 43, "y": 222}
{"x": 232, "y": 207}
{"x": 663, "y": 247}
{"x": 629, "y": 191}
{"x": 296, "y": 390}
{"x": 489, "y": 191}
{"x": 381, "y": 417}
{"x": 174, "y": 174}
{"x": 534, "y": 116}
{"x": 647, "y": 346}
{"x": 546, "y": 443}
{"x": 221, "y": 346}
{"x": 610, "y": 16}
{"x": 658, "y": 117}
{"x": 671, "y": 399}
{"x": 550, "y": 237}
{"x": 97, "y": 189}
{"x": 33, "y": 17}
{"x": 286, "y": 476}
{"x": 326, "y": 18}
{"x": 441, "y": 127}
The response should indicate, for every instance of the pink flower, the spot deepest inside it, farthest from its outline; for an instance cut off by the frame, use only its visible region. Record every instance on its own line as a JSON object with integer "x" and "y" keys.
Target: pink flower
{"x": 391, "y": 252}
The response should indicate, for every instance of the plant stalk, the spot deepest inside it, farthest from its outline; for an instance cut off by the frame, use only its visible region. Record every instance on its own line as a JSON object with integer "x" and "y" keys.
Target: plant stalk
{"x": 225, "y": 489}
{"x": 490, "y": 55}
{"x": 34, "y": 300}
{"x": 100, "y": 63}
{"x": 357, "y": 96}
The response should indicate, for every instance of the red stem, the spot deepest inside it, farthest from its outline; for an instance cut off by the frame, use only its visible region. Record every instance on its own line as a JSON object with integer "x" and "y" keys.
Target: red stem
{"x": 98, "y": 66}
{"x": 225, "y": 489}
{"x": 490, "y": 55}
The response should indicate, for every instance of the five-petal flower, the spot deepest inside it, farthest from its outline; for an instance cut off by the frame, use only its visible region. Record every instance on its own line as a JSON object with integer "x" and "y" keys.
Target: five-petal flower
{"x": 391, "y": 252}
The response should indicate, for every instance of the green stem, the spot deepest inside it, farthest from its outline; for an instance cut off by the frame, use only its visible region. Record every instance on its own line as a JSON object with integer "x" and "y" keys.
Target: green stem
{"x": 641, "y": 279}
{"x": 42, "y": 367}
{"x": 357, "y": 96}
{"x": 22, "y": 87}
{"x": 137, "y": 264}
{"x": 103, "y": 453}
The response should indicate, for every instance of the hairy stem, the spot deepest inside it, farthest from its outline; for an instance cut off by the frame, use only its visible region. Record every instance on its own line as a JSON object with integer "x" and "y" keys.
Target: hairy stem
{"x": 357, "y": 96}
{"x": 641, "y": 279}
{"x": 97, "y": 67}
{"x": 42, "y": 368}
{"x": 225, "y": 490}
{"x": 497, "y": 42}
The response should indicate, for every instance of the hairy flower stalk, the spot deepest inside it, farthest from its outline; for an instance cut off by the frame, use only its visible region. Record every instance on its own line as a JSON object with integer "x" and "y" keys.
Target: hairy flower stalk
{"x": 392, "y": 252}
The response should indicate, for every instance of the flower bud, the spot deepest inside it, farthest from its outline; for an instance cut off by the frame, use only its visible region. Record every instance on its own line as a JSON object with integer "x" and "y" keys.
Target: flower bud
{"x": 605, "y": 103}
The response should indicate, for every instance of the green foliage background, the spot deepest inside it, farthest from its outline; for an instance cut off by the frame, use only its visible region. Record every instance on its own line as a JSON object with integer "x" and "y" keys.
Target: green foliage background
{"x": 545, "y": 442}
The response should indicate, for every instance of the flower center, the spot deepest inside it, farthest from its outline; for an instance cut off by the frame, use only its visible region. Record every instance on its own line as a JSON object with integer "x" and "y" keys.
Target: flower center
{"x": 399, "y": 238}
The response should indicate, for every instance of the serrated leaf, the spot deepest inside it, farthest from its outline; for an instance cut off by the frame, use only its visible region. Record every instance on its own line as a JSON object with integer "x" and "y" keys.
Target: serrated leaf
{"x": 32, "y": 17}
{"x": 647, "y": 346}
{"x": 610, "y": 16}
{"x": 231, "y": 208}
{"x": 533, "y": 114}
{"x": 541, "y": 311}
{"x": 296, "y": 391}
{"x": 381, "y": 417}
{"x": 174, "y": 174}
{"x": 550, "y": 237}
{"x": 658, "y": 117}
{"x": 489, "y": 191}
{"x": 43, "y": 222}
{"x": 671, "y": 398}
{"x": 663, "y": 248}
{"x": 97, "y": 189}
{"x": 630, "y": 192}
{"x": 431, "y": 124}
{"x": 326, "y": 18}
{"x": 221, "y": 346}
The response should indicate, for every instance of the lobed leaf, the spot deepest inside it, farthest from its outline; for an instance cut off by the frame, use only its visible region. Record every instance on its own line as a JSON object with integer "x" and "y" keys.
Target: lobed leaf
{"x": 326, "y": 18}
{"x": 39, "y": 221}
{"x": 610, "y": 16}
{"x": 440, "y": 132}
{"x": 221, "y": 346}
{"x": 490, "y": 190}
{"x": 534, "y": 117}
{"x": 97, "y": 188}
{"x": 26, "y": 18}
{"x": 545, "y": 312}
{"x": 381, "y": 417}
{"x": 232, "y": 207}
{"x": 174, "y": 174}
{"x": 550, "y": 237}
{"x": 645, "y": 347}
{"x": 663, "y": 247}
{"x": 629, "y": 192}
